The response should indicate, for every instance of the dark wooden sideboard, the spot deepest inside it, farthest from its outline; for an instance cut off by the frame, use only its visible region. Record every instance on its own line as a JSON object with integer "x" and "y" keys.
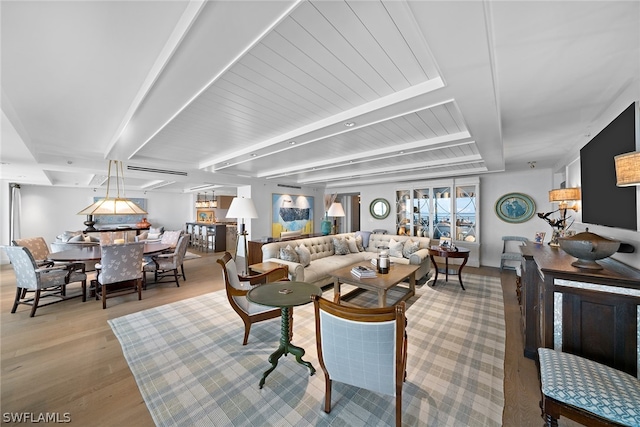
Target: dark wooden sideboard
{"x": 599, "y": 314}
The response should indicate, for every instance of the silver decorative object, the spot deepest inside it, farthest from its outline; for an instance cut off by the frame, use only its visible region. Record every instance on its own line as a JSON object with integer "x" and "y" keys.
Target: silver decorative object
{"x": 588, "y": 247}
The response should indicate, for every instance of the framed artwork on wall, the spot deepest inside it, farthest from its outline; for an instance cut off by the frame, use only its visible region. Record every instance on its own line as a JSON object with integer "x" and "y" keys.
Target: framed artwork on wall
{"x": 205, "y": 215}
{"x": 515, "y": 208}
{"x": 291, "y": 212}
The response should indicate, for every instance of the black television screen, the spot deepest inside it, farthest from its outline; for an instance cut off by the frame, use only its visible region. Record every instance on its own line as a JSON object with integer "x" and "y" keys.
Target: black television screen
{"x": 604, "y": 203}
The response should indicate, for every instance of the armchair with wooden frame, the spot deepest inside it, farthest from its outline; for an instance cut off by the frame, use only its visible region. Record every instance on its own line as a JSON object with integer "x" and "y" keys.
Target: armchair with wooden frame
{"x": 121, "y": 270}
{"x": 43, "y": 281}
{"x": 238, "y": 286}
{"x": 165, "y": 266}
{"x": 362, "y": 347}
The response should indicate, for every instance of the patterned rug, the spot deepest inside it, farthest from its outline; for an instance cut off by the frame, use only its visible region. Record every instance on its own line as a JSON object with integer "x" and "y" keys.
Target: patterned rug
{"x": 189, "y": 363}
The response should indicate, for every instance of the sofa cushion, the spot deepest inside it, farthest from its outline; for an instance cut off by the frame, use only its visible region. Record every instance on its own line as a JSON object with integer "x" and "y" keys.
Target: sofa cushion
{"x": 304, "y": 255}
{"x": 289, "y": 254}
{"x": 410, "y": 247}
{"x": 395, "y": 248}
{"x": 353, "y": 246}
{"x": 340, "y": 246}
{"x": 76, "y": 238}
{"x": 65, "y": 236}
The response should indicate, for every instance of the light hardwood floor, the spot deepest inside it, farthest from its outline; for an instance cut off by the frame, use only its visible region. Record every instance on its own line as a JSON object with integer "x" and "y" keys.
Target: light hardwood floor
{"x": 67, "y": 360}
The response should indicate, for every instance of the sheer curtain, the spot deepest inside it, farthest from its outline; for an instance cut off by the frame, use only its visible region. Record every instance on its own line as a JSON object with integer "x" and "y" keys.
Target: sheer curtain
{"x": 15, "y": 206}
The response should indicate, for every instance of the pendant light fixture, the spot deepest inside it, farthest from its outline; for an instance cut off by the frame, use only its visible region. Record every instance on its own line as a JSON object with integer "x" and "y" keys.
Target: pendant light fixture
{"x": 118, "y": 205}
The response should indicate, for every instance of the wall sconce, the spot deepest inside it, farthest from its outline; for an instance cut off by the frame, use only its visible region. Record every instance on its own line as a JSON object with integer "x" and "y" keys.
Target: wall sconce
{"x": 627, "y": 169}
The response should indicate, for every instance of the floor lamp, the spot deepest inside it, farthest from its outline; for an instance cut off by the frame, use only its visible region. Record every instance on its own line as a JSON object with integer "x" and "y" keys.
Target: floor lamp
{"x": 335, "y": 210}
{"x": 242, "y": 208}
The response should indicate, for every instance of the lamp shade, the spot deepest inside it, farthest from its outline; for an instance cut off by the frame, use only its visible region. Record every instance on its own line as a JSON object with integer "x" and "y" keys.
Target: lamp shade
{"x": 335, "y": 209}
{"x": 118, "y": 205}
{"x": 242, "y": 207}
{"x": 627, "y": 169}
{"x": 564, "y": 194}
{"x": 113, "y": 206}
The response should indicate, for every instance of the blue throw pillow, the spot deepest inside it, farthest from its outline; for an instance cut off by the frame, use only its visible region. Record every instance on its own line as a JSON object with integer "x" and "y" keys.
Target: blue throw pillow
{"x": 365, "y": 237}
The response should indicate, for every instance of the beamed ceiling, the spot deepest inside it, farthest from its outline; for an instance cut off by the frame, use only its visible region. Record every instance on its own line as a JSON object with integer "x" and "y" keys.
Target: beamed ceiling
{"x": 215, "y": 94}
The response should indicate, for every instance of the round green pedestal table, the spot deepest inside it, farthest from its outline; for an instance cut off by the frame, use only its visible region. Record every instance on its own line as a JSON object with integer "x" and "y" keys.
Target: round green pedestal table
{"x": 285, "y": 295}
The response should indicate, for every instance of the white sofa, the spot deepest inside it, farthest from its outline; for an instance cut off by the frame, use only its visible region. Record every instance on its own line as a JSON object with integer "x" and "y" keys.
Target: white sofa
{"x": 324, "y": 260}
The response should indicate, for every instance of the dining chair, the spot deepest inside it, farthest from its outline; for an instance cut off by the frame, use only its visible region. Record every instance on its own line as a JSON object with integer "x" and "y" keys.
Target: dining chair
{"x": 171, "y": 238}
{"x": 38, "y": 248}
{"x": 40, "y": 252}
{"x": 44, "y": 282}
{"x": 238, "y": 286}
{"x": 166, "y": 265}
{"x": 120, "y": 265}
{"x": 362, "y": 347}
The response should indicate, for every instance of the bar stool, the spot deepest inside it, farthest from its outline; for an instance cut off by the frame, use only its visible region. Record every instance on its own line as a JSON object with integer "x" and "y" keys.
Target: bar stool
{"x": 188, "y": 229}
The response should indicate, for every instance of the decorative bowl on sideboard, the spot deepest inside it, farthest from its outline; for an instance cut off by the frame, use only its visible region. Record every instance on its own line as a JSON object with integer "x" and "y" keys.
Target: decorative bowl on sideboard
{"x": 588, "y": 248}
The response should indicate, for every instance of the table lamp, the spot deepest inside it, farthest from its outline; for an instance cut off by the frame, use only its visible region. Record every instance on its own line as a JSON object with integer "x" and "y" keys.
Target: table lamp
{"x": 335, "y": 210}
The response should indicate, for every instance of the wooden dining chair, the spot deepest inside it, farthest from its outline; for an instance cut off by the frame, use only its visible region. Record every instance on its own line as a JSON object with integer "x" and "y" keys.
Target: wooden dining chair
{"x": 238, "y": 286}
{"x": 120, "y": 265}
{"x": 44, "y": 282}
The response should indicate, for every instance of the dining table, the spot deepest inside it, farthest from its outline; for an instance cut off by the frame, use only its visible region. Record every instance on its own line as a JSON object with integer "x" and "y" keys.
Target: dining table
{"x": 94, "y": 253}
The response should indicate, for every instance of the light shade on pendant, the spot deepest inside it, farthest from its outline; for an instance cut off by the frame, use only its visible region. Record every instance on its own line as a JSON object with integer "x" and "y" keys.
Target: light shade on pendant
{"x": 114, "y": 205}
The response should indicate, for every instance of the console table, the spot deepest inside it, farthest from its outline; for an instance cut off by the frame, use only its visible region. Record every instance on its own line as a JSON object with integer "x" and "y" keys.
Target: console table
{"x": 593, "y": 314}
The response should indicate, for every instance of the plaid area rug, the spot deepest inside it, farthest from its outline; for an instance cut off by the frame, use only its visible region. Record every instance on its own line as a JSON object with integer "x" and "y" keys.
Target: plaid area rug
{"x": 189, "y": 363}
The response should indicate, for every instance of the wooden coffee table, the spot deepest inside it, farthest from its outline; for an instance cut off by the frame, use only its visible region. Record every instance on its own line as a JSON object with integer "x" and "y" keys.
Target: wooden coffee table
{"x": 381, "y": 283}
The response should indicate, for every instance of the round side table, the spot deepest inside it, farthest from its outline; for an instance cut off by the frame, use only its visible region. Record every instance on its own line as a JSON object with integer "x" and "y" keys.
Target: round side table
{"x": 285, "y": 295}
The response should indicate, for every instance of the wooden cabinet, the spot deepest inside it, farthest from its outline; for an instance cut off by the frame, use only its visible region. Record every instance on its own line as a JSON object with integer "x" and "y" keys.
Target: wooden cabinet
{"x": 446, "y": 208}
{"x": 593, "y": 314}
{"x": 224, "y": 202}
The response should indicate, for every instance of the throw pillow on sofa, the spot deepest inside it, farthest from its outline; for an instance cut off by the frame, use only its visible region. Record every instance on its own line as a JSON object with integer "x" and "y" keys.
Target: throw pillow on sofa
{"x": 410, "y": 247}
{"x": 395, "y": 249}
{"x": 353, "y": 247}
{"x": 359, "y": 244}
{"x": 304, "y": 254}
{"x": 289, "y": 254}
{"x": 340, "y": 246}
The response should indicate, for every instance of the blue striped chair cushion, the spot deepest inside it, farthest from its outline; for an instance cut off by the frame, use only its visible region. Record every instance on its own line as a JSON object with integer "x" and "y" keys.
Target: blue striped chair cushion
{"x": 591, "y": 386}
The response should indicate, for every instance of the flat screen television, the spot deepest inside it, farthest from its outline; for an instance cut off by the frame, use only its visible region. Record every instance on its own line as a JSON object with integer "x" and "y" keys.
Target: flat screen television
{"x": 604, "y": 203}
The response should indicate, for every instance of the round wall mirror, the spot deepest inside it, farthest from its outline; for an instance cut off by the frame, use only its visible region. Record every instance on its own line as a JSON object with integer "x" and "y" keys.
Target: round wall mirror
{"x": 379, "y": 208}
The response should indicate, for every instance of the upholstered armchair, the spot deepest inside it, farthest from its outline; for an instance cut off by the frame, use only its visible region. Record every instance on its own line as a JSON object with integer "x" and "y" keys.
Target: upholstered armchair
{"x": 42, "y": 281}
{"x": 120, "y": 264}
{"x": 237, "y": 288}
{"x": 40, "y": 252}
{"x": 362, "y": 347}
{"x": 166, "y": 265}
{"x": 38, "y": 248}
{"x": 171, "y": 238}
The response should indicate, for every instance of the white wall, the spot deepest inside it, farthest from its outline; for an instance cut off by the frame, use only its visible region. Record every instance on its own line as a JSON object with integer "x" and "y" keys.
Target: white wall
{"x": 534, "y": 182}
{"x": 261, "y": 195}
{"x": 48, "y": 211}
